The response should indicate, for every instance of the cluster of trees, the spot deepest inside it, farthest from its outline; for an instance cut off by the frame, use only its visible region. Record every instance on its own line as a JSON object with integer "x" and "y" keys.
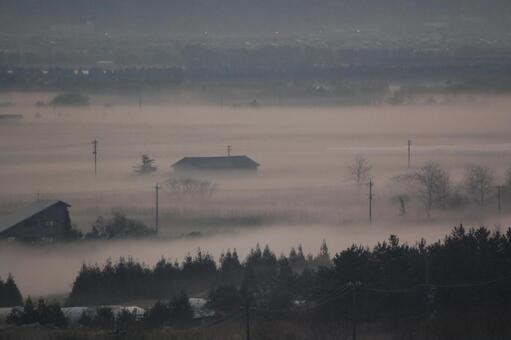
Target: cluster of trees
{"x": 9, "y": 293}
{"x": 127, "y": 279}
{"x": 465, "y": 276}
{"x": 177, "y": 311}
{"x": 105, "y": 318}
{"x": 189, "y": 186}
{"x": 433, "y": 188}
{"x": 44, "y": 314}
{"x": 70, "y": 99}
{"x": 118, "y": 226}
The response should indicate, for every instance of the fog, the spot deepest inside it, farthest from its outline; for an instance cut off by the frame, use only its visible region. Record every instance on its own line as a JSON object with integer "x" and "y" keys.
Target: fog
{"x": 302, "y": 193}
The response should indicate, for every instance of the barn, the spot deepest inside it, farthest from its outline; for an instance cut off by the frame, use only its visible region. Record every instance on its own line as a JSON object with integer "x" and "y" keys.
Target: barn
{"x": 41, "y": 220}
{"x": 241, "y": 164}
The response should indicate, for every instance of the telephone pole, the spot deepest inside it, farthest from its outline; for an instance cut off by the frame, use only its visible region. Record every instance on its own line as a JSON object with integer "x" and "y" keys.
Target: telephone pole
{"x": 499, "y": 198}
{"x": 95, "y": 153}
{"x": 157, "y": 212}
{"x": 229, "y": 149}
{"x": 409, "y": 153}
{"x": 371, "y": 184}
{"x": 247, "y": 319}
{"x": 355, "y": 286}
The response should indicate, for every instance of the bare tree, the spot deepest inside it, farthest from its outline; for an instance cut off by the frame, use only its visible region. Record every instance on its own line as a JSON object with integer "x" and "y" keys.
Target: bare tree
{"x": 433, "y": 186}
{"x": 402, "y": 200}
{"x": 190, "y": 186}
{"x": 360, "y": 170}
{"x": 478, "y": 181}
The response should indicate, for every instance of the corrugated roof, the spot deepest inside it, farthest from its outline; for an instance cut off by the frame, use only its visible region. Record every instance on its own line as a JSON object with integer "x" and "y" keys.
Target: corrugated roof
{"x": 218, "y": 162}
{"x": 22, "y": 214}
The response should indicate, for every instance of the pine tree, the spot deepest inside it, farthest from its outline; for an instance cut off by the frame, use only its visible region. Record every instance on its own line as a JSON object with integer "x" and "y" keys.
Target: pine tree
{"x": 12, "y": 295}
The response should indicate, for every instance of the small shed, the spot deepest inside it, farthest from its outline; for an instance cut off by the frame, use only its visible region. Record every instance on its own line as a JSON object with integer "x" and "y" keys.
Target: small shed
{"x": 217, "y": 163}
{"x": 48, "y": 219}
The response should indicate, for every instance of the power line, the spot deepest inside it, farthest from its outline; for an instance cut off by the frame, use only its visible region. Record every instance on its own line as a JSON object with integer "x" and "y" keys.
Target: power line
{"x": 434, "y": 285}
{"x": 46, "y": 147}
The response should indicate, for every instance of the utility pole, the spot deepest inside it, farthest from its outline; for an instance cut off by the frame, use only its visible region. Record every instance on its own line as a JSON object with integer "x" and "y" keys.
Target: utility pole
{"x": 229, "y": 149}
{"x": 247, "y": 319}
{"x": 157, "y": 212}
{"x": 95, "y": 153}
{"x": 355, "y": 286}
{"x": 499, "y": 198}
{"x": 409, "y": 153}
{"x": 371, "y": 184}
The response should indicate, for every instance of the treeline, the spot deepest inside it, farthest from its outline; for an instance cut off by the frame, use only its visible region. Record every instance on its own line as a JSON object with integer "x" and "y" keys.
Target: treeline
{"x": 201, "y": 68}
{"x": 127, "y": 279}
{"x": 9, "y": 293}
{"x": 469, "y": 271}
{"x": 432, "y": 187}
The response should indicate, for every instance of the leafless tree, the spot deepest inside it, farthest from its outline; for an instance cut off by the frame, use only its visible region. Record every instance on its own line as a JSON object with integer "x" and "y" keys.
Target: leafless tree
{"x": 433, "y": 185}
{"x": 478, "y": 181}
{"x": 402, "y": 200}
{"x": 360, "y": 170}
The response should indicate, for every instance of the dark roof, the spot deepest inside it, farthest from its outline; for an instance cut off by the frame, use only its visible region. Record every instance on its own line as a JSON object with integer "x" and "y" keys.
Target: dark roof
{"x": 219, "y": 162}
{"x": 21, "y": 215}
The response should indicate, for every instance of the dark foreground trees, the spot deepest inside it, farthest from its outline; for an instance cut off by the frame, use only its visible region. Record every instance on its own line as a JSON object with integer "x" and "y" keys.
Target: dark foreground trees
{"x": 43, "y": 314}
{"x": 468, "y": 268}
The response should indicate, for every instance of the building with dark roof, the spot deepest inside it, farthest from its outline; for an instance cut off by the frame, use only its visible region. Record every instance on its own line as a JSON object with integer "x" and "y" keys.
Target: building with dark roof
{"x": 242, "y": 164}
{"x": 40, "y": 220}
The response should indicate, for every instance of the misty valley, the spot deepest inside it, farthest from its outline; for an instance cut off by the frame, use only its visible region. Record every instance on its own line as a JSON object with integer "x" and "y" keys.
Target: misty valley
{"x": 255, "y": 170}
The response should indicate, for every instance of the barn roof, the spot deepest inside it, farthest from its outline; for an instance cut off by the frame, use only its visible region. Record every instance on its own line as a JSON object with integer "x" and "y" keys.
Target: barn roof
{"x": 217, "y": 162}
{"x": 25, "y": 213}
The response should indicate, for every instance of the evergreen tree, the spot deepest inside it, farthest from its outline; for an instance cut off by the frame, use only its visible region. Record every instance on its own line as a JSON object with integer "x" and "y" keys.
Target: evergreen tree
{"x": 146, "y": 165}
{"x": 3, "y": 297}
{"x": 11, "y": 293}
{"x": 181, "y": 310}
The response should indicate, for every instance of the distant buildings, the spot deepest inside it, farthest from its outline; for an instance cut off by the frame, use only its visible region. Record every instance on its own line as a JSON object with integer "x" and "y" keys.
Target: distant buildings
{"x": 240, "y": 164}
{"x": 42, "y": 220}
{"x": 73, "y": 30}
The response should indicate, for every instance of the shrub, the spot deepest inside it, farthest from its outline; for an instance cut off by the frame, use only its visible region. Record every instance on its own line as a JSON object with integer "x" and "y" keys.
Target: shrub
{"x": 70, "y": 99}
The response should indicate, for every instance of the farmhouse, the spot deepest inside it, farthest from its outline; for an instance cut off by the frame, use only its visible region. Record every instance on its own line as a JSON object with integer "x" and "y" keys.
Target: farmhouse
{"x": 219, "y": 163}
{"x": 42, "y": 220}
